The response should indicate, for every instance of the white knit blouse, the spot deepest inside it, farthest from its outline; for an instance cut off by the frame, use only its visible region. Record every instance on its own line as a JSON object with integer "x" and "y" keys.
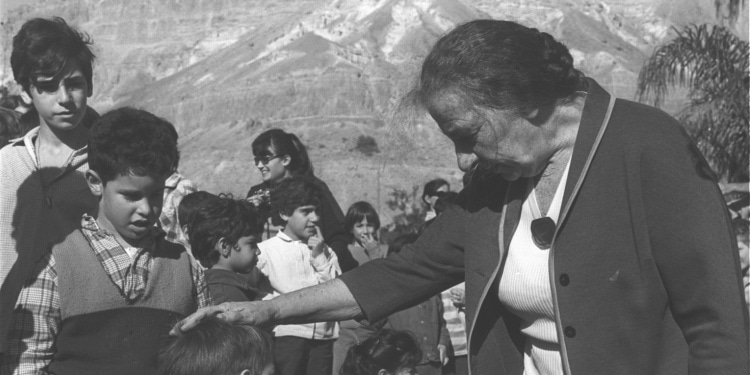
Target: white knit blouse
{"x": 525, "y": 288}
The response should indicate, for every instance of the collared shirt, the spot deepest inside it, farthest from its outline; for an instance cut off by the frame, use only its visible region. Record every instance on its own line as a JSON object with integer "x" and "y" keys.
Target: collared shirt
{"x": 35, "y": 212}
{"x": 36, "y": 319}
{"x": 289, "y": 266}
{"x": 175, "y": 188}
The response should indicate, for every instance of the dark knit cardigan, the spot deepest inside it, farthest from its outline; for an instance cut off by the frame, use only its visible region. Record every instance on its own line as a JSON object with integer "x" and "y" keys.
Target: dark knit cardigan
{"x": 644, "y": 267}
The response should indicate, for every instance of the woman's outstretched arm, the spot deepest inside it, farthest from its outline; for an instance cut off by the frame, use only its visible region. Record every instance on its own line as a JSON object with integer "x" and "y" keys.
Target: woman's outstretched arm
{"x": 330, "y": 301}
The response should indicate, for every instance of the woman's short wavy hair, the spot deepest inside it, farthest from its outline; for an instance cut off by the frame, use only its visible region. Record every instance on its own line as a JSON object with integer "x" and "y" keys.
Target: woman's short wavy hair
{"x": 499, "y": 65}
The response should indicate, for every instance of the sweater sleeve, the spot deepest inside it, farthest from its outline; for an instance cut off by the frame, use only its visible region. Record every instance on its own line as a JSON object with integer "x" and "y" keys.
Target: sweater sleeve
{"x": 696, "y": 255}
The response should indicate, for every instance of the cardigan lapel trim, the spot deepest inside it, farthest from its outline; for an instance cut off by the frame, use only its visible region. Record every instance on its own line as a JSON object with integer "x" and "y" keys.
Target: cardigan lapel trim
{"x": 594, "y": 120}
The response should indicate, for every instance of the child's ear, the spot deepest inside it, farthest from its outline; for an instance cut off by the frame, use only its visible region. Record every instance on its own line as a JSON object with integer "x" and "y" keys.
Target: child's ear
{"x": 26, "y": 97}
{"x": 284, "y": 217}
{"x": 245, "y": 372}
{"x": 95, "y": 183}
{"x": 223, "y": 247}
{"x": 382, "y": 371}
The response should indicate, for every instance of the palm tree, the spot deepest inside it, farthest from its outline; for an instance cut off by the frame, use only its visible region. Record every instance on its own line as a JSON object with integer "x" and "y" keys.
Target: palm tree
{"x": 712, "y": 63}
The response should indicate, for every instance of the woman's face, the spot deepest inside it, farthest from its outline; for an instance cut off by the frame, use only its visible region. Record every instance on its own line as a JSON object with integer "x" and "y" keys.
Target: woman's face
{"x": 502, "y": 142}
{"x": 363, "y": 231}
{"x": 273, "y": 167}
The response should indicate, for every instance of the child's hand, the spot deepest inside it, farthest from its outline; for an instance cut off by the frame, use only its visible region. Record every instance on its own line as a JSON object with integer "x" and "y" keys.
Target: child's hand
{"x": 317, "y": 244}
{"x": 369, "y": 242}
{"x": 443, "y": 351}
{"x": 458, "y": 297}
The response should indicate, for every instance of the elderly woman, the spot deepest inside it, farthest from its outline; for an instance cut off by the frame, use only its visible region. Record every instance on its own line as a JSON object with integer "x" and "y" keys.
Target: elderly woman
{"x": 592, "y": 237}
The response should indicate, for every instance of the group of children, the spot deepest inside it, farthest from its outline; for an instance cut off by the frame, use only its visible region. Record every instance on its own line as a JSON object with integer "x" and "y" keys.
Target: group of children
{"x": 91, "y": 283}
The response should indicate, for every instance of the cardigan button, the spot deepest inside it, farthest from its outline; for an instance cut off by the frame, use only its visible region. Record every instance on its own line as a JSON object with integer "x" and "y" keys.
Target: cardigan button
{"x": 564, "y": 279}
{"x": 570, "y": 332}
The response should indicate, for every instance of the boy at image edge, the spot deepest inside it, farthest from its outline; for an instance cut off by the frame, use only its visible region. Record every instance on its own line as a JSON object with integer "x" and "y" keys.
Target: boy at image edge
{"x": 100, "y": 301}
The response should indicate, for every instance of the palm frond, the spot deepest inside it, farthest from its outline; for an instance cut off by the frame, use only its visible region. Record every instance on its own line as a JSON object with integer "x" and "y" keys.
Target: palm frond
{"x": 713, "y": 64}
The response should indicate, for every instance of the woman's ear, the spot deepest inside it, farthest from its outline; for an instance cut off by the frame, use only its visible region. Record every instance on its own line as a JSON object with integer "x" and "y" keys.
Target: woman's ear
{"x": 286, "y": 160}
{"x": 95, "y": 183}
{"x": 26, "y": 97}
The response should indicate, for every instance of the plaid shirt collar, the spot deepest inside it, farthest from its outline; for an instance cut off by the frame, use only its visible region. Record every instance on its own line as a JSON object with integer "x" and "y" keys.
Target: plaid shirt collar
{"x": 130, "y": 275}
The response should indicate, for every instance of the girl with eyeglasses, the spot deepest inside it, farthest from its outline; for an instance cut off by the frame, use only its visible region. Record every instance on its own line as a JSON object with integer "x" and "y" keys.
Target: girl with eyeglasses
{"x": 278, "y": 155}
{"x": 389, "y": 352}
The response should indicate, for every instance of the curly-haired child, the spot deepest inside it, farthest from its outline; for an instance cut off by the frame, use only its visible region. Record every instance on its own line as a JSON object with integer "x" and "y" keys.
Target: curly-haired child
{"x": 388, "y": 352}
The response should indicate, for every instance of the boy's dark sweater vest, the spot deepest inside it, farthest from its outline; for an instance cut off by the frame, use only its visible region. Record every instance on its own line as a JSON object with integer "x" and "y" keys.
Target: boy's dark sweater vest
{"x": 100, "y": 332}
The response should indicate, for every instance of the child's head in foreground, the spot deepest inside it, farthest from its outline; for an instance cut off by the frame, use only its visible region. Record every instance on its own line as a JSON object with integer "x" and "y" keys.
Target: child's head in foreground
{"x": 225, "y": 233}
{"x": 131, "y": 154}
{"x": 47, "y": 55}
{"x": 388, "y": 352}
{"x": 217, "y": 347}
{"x": 296, "y": 199}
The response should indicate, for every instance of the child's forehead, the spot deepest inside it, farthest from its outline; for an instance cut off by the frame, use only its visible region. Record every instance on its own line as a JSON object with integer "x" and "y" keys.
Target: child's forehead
{"x": 306, "y": 208}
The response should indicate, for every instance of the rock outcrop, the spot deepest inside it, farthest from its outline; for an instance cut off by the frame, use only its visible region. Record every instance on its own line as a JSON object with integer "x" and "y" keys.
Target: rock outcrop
{"x": 330, "y": 71}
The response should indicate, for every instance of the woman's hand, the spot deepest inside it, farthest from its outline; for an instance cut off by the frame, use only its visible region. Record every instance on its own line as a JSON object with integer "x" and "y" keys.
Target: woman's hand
{"x": 254, "y": 313}
{"x": 260, "y": 197}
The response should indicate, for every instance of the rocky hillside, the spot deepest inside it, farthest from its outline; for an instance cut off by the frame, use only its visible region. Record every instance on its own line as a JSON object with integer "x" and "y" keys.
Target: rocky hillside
{"x": 331, "y": 71}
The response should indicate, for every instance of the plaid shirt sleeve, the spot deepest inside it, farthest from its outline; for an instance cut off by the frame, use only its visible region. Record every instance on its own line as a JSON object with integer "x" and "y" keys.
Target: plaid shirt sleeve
{"x": 35, "y": 322}
{"x": 201, "y": 287}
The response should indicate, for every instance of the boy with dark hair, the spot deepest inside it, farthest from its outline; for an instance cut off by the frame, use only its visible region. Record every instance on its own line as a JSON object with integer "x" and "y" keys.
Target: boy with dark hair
{"x": 224, "y": 237}
{"x": 217, "y": 347}
{"x": 53, "y": 64}
{"x": 99, "y": 301}
{"x": 295, "y": 258}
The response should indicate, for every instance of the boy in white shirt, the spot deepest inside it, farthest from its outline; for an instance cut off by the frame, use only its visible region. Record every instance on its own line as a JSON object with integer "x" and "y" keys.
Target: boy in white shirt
{"x": 297, "y": 257}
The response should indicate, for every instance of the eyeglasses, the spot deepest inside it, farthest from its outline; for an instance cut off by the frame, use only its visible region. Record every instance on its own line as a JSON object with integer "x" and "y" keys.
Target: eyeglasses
{"x": 265, "y": 159}
{"x": 543, "y": 230}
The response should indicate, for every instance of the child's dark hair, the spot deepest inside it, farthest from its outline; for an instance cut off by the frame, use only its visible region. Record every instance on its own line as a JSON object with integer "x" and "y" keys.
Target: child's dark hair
{"x": 293, "y": 192}
{"x": 397, "y": 244}
{"x": 276, "y": 142}
{"x": 221, "y": 217}
{"x": 387, "y": 350}
{"x": 189, "y": 206}
{"x": 431, "y": 188}
{"x": 216, "y": 347}
{"x": 132, "y": 141}
{"x": 358, "y": 211}
{"x": 43, "y": 47}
